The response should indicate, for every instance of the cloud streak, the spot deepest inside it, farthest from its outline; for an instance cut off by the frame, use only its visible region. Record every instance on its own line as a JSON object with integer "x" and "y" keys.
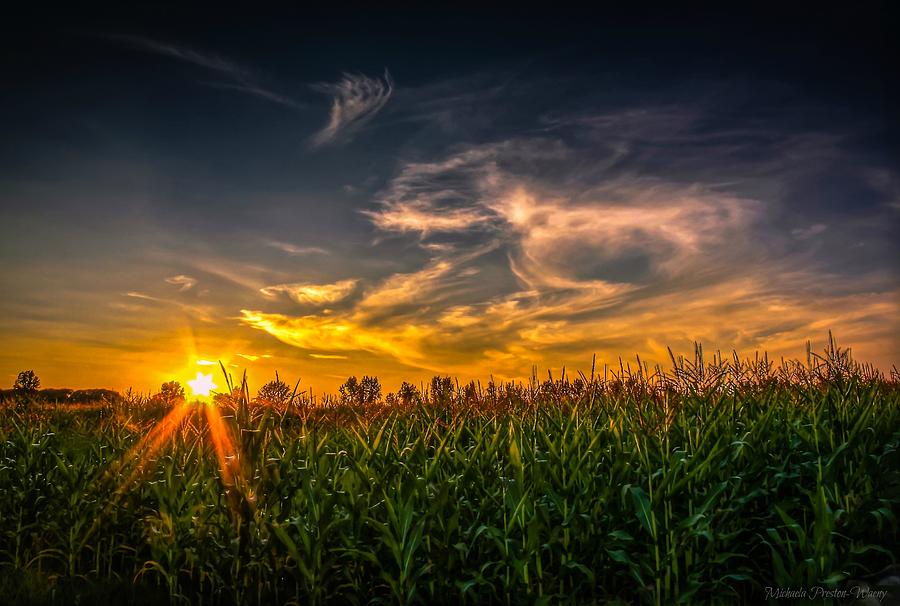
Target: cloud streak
{"x": 355, "y": 100}
{"x": 295, "y": 250}
{"x": 182, "y": 281}
{"x": 236, "y": 77}
{"x": 313, "y": 294}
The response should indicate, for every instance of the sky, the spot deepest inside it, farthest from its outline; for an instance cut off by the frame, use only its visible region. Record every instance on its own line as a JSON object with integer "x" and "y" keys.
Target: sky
{"x": 473, "y": 194}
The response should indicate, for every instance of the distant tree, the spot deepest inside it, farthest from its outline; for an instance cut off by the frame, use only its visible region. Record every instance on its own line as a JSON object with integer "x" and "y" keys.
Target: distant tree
{"x": 354, "y": 391}
{"x": 171, "y": 393}
{"x": 27, "y": 382}
{"x": 408, "y": 394}
{"x": 371, "y": 390}
{"x": 349, "y": 390}
{"x": 275, "y": 393}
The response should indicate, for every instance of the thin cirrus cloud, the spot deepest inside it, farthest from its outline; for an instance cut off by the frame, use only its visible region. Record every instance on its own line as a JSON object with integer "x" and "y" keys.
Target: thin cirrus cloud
{"x": 294, "y": 250}
{"x": 355, "y": 100}
{"x": 182, "y": 281}
{"x": 234, "y": 76}
{"x": 204, "y": 313}
{"x": 313, "y": 294}
{"x": 424, "y": 218}
{"x": 804, "y": 233}
{"x": 402, "y": 289}
{"x": 644, "y": 224}
{"x": 599, "y": 253}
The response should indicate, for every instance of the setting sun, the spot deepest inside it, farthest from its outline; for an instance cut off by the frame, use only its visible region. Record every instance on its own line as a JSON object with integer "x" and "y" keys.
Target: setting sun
{"x": 202, "y": 385}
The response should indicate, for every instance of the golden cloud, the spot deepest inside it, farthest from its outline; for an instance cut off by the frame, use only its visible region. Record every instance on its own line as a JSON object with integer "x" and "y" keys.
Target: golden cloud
{"x": 313, "y": 294}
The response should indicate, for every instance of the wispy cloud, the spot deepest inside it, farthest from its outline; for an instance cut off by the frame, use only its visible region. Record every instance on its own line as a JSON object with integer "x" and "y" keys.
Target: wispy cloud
{"x": 295, "y": 250}
{"x": 252, "y": 276}
{"x": 139, "y": 295}
{"x": 236, "y": 77}
{"x": 355, "y": 100}
{"x": 404, "y": 289}
{"x": 313, "y": 294}
{"x": 804, "y": 233}
{"x": 323, "y": 333}
{"x": 634, "y": 232}
{"x": 204, "y": 313}
{"x": 446, "y": 195}
{"x": 182, "y": 281}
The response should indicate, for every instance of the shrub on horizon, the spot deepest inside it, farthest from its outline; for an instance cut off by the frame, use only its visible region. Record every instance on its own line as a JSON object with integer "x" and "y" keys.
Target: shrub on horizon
{"x": 170, "y": 393}
{"x": 27, "y": 383}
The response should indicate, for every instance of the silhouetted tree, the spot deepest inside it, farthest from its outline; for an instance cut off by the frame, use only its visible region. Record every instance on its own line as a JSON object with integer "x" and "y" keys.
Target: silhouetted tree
{"x": 349, "y": 390}
{"x": 365, "y": 392}
{"x": 27, "y": 382}
{"x": 408, "y": 394}
{"x": 171, "y": 393}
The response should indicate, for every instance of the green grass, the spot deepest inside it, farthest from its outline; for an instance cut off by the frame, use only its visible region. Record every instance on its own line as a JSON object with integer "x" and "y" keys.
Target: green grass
{"x": 704, "y": 484}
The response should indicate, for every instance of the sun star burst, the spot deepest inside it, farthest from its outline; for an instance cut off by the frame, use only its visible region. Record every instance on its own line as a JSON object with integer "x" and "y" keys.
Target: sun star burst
{"x": 202, "y": 385}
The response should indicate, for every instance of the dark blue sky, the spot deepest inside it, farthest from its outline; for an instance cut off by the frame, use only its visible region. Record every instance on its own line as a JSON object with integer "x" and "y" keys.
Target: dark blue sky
{"x": 407, "y": 194}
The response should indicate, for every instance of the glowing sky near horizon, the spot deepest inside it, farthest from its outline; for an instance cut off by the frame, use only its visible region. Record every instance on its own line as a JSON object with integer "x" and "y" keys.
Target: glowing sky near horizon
{"x": 330, "y": 201}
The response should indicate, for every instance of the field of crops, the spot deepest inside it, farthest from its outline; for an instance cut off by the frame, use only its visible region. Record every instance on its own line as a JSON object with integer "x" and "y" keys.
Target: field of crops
{"x": 705, "y": 483}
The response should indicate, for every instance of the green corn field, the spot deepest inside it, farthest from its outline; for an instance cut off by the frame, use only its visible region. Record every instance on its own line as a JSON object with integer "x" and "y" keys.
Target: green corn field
{"x": 704, "y": 483}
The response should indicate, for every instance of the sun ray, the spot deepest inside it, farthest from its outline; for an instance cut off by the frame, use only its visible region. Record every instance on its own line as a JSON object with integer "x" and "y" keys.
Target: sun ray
{"x": 229, "y": 464}
{"x": 143, "y": 451}
{"x": 222, "y": 444}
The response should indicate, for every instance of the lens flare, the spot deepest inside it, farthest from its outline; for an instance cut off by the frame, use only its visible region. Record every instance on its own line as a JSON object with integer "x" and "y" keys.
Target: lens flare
{"x": 202, "y": 385}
